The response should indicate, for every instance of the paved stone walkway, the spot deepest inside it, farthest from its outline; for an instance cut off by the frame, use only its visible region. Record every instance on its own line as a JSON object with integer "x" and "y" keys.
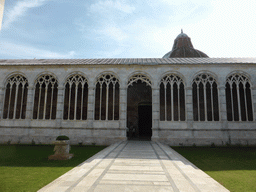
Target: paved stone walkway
{"x": 135, "y": 166}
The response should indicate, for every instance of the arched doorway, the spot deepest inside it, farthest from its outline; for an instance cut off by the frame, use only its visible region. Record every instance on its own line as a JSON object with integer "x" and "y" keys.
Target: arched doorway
{"x": 139, "y": 108}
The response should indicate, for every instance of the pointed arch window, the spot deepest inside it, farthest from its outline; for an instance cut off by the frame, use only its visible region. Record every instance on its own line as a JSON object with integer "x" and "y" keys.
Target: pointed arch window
{"x": 139, "y": 77}
{"x": 172, "y": 98}
{"x": 15, "y": 97}
{"x": 107, "y": 98}
{"x": 239, "y": 98}
{"x": 76, "y": 98}
{"x": 205, "y": 98}
{"x": 45, "y": 100}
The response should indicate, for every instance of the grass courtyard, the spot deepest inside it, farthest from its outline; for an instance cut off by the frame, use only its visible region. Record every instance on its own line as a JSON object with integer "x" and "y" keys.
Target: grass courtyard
{"x": 27, "y": 168}
{"x": 233, "y": 167}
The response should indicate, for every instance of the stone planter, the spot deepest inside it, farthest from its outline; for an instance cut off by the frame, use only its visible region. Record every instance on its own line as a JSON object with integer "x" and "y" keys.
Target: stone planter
{"x": 61, "y": 149}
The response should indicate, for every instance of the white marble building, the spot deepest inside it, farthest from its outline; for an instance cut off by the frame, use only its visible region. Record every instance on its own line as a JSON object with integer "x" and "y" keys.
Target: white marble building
{"x": 178, "y": 101}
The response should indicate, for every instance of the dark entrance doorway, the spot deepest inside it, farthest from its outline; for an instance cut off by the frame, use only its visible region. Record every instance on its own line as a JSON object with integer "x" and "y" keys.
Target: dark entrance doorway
{"x": 139, "y": 109}
{"x": 145, "y": 121}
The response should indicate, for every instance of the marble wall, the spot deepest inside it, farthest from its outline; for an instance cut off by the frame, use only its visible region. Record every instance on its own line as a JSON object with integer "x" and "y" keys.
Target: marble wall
{"x": 188, "y": 132}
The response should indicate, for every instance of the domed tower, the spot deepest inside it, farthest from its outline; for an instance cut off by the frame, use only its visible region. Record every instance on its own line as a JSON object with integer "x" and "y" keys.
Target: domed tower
{"x": 183, "y": 47}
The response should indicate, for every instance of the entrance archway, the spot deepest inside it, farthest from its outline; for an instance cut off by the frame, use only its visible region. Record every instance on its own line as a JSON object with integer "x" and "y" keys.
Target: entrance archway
{"x": 139, "y": 108}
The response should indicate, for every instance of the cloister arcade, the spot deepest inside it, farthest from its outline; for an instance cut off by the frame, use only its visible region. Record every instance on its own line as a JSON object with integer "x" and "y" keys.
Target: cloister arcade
{"x": 172, "y": 97}
{"x": 178, "y": 101}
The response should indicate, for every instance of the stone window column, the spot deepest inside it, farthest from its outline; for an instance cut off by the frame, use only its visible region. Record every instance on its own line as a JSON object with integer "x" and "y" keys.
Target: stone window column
{"x": 107, "y": 98}
{"x": 60, "y": 105}
{"x": 189, "y": 104}
{"x": 239, "y": 98}
{"x": 2, "y": 91}
{"x": 123, "y": 109}
{"x": 253, "y": 88}
{"x": 90, "y": 108}
{"x": 15, "y": 97}
{"x": 76, "y": 98}
{"x": 30, "y": 102}
{"x": 172, "y": 98}
{"x": 46, "y": 98}
{"x": 205, "y": 98}
{"x": 155, "y": 112}
{"x": 223, "y": 107}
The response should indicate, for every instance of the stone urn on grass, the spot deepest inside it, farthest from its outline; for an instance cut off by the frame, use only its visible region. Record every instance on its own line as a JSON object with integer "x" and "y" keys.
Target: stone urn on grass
{"x": 61, "y": 148}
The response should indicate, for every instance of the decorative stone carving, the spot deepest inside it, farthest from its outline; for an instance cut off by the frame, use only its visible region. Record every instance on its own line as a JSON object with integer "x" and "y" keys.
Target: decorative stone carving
{"x": 136, "y": 78}
{"x": 61, "y": 149}
{"x": 15, "y": 97}
{"x": 45, "y": 100}
{"x": 76, "y": 98}
{"x": 172, "y": 98}
{"x": 107, "y": 98}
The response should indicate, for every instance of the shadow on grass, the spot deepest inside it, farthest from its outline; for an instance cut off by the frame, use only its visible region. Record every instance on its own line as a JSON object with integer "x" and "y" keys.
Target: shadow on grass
{"x": 220, "y": 158}
{"x": 37, "y": 155}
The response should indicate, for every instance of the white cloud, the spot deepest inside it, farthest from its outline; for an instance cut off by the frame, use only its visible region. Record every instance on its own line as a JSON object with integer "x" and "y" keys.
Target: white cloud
{"x": 8, "y": 49}
{"x": 228, "y": 31}
{"x": 109, "y": 5}
{"x": 114, "y": 32}
{"x": 19, "y": 10}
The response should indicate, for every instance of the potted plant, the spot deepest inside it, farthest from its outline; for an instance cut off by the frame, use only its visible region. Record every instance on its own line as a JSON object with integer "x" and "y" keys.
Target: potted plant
{"x": 61, "y": 148}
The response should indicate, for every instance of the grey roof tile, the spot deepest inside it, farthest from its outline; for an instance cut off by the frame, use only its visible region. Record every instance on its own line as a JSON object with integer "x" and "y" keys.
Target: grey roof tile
{"x": 125, "y": 61}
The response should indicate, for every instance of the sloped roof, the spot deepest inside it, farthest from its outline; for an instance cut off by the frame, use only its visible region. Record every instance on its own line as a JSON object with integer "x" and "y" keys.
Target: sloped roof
{"x": 127, "y": 61}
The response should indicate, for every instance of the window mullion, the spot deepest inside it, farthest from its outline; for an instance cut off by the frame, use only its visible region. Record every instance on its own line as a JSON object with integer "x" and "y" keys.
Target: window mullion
{"x": 69, "y": 99}
{"x": 245, "y": 101}
{"x": 114, "y": 88}
{"x": 198, "y": 104}
{"x": 22, "y": 97}
{"x": 232, "y": 102}
{"x": 212, "y": 102}
{"x": 39, "y": 100}
{"x": 10, "y": 96}
{"x": 82, "y": 101}
{"x": 178, "y": 89}
{"x": 107, "y": 87}
{"x": 165, "y": 102}
{"x": 205, "y": 103}
{"x": 172, "y": 101}
{"x": 45, "y": 98}
{"x": 252, "y": 102}
{"x": 51, "y": 101}
{"x": 15, "y": 100}
{"x": 100, "y": 100}
{"x": 238, "y": 101}
{"x": 75, "y": 101}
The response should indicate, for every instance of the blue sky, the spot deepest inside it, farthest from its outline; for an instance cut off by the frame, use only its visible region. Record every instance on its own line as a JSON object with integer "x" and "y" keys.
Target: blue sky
{"x": 72, "y": 29}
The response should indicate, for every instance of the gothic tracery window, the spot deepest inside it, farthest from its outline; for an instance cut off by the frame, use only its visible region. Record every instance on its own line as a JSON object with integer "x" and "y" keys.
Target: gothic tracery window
{"x": 172, "y": 98}
{"x": 107, "y": 98}
{"x": 139, "y": 77}
{"x": 239, "y": 98}
{"x": 15, "y": 97}
{"x": 205, "y": 98}
{"x": 76, "y": 98}
{"x": 45, "y": 100}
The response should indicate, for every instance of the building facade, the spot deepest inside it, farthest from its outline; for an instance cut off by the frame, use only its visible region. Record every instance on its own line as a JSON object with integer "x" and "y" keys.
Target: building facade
{"x": 193, "y": 100}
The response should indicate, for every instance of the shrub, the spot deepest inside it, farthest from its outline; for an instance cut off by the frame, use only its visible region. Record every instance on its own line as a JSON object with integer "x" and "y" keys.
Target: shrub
{"x": 62, "y": 137}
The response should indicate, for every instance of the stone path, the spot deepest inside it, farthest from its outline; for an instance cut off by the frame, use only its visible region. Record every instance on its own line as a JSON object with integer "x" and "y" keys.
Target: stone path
{"x": 135, "y": 166}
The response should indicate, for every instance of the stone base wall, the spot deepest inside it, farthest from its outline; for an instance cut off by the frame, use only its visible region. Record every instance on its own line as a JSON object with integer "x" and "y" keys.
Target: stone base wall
{"x": 203, "y": 133}
{"x": 105, "y": 133}
{"x": 48, "y": 135}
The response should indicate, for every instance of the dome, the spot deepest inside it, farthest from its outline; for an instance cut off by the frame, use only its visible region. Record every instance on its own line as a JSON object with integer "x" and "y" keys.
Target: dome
{"x": 183, "y": 47}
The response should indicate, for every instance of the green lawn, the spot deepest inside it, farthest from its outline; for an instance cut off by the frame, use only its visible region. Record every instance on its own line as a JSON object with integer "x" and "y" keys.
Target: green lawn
{"x": 27, "y": 168}
{"x": 233, "y": 167}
